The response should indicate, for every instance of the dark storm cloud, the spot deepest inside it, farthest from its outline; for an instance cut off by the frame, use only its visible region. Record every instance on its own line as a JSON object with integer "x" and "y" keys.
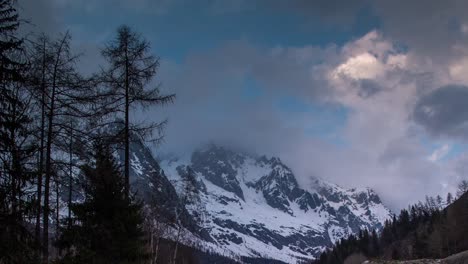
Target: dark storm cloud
{"x": 217, "y": 102}
{"x": 444, "y": 112}
{"x": 38, "y": 16}
{"x": 276, "y": 70}
{"x": 337, "y": 12}
{"x": 368, "y": 88}
{"x": 398, "y": 150}
{"x": 430, "y": 27}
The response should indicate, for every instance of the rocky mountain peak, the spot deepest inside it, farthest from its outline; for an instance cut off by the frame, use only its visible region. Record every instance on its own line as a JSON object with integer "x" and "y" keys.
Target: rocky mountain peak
{"x": 255, "y": 200}
{"x": 219, "y": 165}
{"x": 250, "y": 206}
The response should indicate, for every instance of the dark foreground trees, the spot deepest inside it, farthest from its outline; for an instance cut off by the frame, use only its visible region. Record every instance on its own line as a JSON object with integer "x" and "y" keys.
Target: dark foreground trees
{"x": 107, "y": 226}
{"x": 49, "y": 114}
{"x": 16, "y": 146}
{"x": 424, "y": 230}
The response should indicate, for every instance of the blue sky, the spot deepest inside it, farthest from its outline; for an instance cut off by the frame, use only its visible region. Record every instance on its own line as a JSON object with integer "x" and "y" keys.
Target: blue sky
{"x": 188, "y": 27}
{"x": 360, "y": 92}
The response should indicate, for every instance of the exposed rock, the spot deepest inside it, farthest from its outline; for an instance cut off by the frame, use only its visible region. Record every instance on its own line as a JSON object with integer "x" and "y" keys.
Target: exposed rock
{"x": 254, "y": 206}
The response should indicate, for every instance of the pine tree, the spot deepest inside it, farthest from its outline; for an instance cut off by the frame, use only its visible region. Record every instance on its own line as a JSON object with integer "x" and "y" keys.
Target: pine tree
{"x": 16, "y": 145}
{"x": 375, "y": 245}
{"x": 449, "y": 199}
{"x": 107, "y": 226}
{"x": 462, "y": 188}
{"x": 439, "y": 202}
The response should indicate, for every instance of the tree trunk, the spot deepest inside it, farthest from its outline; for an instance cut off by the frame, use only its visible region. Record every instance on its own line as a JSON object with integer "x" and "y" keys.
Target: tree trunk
{"x": 41, "y": 152}
{"x": 48, "y": 171}
{"x": 174, "y": 257}
{"x": 151, "y": 246}
{"x": 13, "y": 172}
{"x": 48, "y": 165}
{"x": 70, "y": 179}
{"x": 57, "y": 211}
{"x": 126, "y": 132}
{"x": 157, "y": 250}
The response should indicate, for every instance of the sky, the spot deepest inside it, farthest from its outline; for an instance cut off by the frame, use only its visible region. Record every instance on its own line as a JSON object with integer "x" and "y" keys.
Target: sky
{"x": 357, "y": 92}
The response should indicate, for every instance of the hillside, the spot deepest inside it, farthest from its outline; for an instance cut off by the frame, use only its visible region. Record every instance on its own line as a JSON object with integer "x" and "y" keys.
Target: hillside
{"x": 421, "y": 232}
{"x": 460, "y": 258}
{"x": 248, "y": 206}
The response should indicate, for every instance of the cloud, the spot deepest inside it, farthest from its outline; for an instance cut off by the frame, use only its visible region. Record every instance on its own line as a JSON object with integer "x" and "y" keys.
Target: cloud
{"x": 159, "y": 7}
{"x": 458, "y": 70}
{"x": 380, "y": 84}
{"x": 444, "y": 111}
{"x": 362, "y": 66}
{"x": 439, "y": 153}
{"x": 380, "y": 149}
{"x": 368, "y": 87}
{"x": 336, "y": 12}
{"x": 39, "y": 15}
{"x": 215, "y": 98}
{"x": 406, "y": 76}
{"x": 429, "y": 27}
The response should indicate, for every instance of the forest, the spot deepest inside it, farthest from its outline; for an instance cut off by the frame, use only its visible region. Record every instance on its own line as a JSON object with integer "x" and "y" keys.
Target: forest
{"x": 434, "y": 229}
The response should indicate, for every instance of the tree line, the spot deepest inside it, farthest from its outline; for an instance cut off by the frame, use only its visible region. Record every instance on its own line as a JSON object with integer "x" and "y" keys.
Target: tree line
{"x": 435, "y": 228}
{"x": 59, "y": 131}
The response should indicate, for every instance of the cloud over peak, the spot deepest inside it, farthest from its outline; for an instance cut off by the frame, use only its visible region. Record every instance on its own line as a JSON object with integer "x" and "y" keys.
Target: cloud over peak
{"x": 359, "y": 92}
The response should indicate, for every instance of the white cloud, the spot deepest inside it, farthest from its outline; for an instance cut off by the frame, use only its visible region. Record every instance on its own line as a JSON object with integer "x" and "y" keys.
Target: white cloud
{"x": 362, "y": 66}
{"x": 439, "y": 153}
{"x": 459, "y": 70}
{"x": 382, "y": 149}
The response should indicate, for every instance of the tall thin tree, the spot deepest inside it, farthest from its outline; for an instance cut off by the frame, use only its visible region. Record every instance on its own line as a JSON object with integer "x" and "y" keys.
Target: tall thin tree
{"x": 61, "y": 47}
{"x": 130, "y": 72}
{"x": 66, "y": 94}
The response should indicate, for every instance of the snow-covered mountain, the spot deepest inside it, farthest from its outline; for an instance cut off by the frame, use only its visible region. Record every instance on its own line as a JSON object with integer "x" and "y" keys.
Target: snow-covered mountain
{"x": 242, "y": 205}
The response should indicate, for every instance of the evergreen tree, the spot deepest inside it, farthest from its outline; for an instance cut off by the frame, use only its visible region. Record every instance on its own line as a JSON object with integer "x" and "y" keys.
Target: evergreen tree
{"x": 462, "y": 188}
{"x": 439, "y": 202}
{"x": 16, "y": 146}
{"x": 375, "y": 245}
{"x": 423, "y": 231}
{"x": 107, "y": 226}
{"x": 449, "y": 198}
{"x": 419, "y": 246}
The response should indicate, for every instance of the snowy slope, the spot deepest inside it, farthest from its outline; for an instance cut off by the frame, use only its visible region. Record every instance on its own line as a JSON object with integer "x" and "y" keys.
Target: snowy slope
{"x": 253, "y": 206}
{"x": 240, "y": 205}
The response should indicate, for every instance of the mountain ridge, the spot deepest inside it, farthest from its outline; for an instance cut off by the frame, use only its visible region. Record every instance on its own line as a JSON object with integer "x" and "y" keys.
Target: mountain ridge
{"x": 254, "y": 207}
{"x": 247, "y": 207}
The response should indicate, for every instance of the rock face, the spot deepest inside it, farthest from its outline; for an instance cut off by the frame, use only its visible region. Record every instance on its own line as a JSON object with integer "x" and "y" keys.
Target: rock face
{"x": 253, "y": 206}
{"x": 150, "y": 184}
